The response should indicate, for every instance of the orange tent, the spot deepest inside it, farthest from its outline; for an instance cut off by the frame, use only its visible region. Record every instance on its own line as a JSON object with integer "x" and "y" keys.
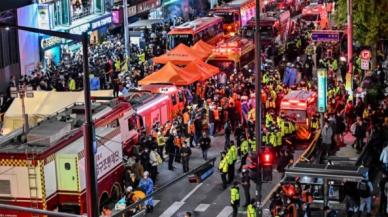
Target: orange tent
{"x": 180, "y": 55}
{"x": 171, "y": 74}
{"x": 199, "y": 67}
{"x": 203, "y": 47}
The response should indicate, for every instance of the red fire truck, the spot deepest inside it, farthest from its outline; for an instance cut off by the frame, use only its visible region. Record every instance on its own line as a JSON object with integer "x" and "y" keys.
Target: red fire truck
{"x": 300, "y": 106}
{"x": 317, "y": 15}
{"x": 152, "y": 108}
{"x": 208, "y": 29}
{"x": 274, "y": 26}
{"x": 236, "y": 14}
{"x": 47, "y": 171}
{"x": 232, "y": 54}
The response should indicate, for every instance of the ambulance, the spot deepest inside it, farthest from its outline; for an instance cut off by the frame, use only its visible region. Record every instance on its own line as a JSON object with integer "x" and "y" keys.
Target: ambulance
{"x": 300, "y": 106}
{"x": 317, "y": 15}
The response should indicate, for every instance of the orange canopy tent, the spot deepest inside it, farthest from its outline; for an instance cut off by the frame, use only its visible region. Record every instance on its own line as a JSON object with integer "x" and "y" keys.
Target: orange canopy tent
{"x": 171, "y": 74}
{"x": 199, "y": 67}
{"x": 180, "y": 55}
{"x": 203, "y": 47}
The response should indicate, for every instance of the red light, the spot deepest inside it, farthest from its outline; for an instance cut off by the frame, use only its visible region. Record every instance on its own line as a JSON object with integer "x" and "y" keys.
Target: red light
{"x": 267, "y": 157}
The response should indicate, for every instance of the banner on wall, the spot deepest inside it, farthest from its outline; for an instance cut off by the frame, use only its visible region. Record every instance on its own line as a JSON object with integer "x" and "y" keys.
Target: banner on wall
{"x": 43, "y": 17}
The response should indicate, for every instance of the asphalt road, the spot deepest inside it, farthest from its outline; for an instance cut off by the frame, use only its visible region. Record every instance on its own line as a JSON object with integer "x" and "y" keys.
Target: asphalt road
{"x": 204, "y": 199}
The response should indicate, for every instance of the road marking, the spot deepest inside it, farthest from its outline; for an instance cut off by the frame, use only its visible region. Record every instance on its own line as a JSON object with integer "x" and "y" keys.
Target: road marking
{"x": 191, "y": 192}
{"x": 226, "y": 212}
{"x": 202, "y": 207}
{"x": 156, "y": 202}
{"x": 172, "y": 209}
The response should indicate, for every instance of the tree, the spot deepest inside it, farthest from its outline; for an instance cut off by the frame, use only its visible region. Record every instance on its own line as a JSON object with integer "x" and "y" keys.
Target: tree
{"x": 370, "y": 20}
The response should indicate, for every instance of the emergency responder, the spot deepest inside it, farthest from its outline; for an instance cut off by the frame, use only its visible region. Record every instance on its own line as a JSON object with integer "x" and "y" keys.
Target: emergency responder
{"x": 246, "y": 184}
{"x": 251, "y": 209}
{"x": 244, "y": 150}
{"x": 315, "y": 123}
{"x": 223, "y": 167}
{"x": 231, "y": 158}
{"x": 235, "y": 198}
{"x": 185, "y": 155}
{"x": 161, "y": 143}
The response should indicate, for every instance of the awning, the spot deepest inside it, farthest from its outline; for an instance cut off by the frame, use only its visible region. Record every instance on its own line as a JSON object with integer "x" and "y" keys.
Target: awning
{"x": 42, "y": 105}
{"x": 203, "y": 47}
{"x": 199, "y": 67}
{"x": 141, "y": 24}
{"x": 180, "y": 55}
{"x": 171, "y": 74}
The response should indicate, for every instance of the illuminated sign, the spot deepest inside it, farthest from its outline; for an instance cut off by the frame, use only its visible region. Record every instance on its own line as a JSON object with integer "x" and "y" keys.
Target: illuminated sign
{"x": 80, "y": 29}
{"x": 324, "y": 35}
{"x": 45, "y": 1}
{"x": 49, "y": 42}
{"x": 102, "y": 22}
{"x": 322, "y": 90}
{"x": 143, "y": 7}
{"x": 43, "y": 17}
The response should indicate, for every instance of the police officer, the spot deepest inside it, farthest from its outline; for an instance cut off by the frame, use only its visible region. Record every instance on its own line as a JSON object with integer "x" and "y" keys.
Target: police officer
{"x": 251, "y": 210}
{"x": 230, "y": 160}
{"x": 244, "y": 149}
{"x": 246, "y": 184}
{"x": 235, "y": 198}
{"x": 223, "y": 167}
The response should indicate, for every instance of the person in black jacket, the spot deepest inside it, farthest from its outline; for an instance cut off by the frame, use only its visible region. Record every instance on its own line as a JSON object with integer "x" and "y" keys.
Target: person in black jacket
{"x": 359, "y": 133}
{"x": 185, "y": 155}
{"x": 170, "y": 149}
{"x": 204, "y": 143}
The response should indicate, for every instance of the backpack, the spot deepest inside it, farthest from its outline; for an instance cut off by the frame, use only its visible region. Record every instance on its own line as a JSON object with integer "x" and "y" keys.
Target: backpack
{"x": 364, "y": 189}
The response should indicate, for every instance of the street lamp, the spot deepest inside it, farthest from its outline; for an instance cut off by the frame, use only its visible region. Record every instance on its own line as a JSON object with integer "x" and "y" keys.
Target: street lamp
{"x": 21, "y": 92}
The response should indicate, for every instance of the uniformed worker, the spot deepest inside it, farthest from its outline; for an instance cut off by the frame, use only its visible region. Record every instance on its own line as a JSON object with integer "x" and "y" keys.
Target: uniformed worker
{"x": 251, "y": 209}
{"x": 223, "y": 167}
{"x": 244, "y": 150}
{"x": 229, "y": 159}
{"x": 235, "y": 198}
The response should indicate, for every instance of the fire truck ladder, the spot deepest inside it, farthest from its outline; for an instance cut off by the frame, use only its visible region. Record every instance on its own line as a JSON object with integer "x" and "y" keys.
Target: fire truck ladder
{"x": 32, "y": 181}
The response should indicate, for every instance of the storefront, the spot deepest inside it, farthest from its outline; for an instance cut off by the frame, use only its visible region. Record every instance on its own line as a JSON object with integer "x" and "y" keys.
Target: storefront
{"x": 73, "y": 16}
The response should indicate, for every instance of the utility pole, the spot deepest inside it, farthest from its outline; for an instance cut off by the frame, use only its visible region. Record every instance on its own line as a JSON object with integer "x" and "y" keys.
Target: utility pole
{"x": 89, "y": 145}
{"x": 258, "y": 107}
{"x": 349, "y": 75}
{"x": 126, "y": 33}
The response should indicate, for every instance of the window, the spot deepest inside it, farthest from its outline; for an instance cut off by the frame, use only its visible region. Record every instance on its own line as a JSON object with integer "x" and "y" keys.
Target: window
{"x": 173, "y": 99}
{"x": 114, "y": 124}
{"x": 131, "y": 123}
{"x": 180, "y": 96}
{"x": 67, "y": 166}
{"x": 5, "y": 187}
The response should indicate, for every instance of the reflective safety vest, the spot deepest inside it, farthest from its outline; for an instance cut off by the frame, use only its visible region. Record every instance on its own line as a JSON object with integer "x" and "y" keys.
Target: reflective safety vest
{"x": 272, "y": 139}
{"x": 223, "y": 166}
{"x": 234, "y": 194}
{"x": 268, "y": 120}
{"x": 244, "y": 147}
{"x": 71, "y": 84}
{"x": 251, "y": 211}
{"x": 252, "y": 144}
{"x": 314, "y": 124}
{"x": 233, "y": 153}
{"x": 279, "y": 138}
{"x": 265, "y": 138}
{"x": 291, "y": 127}
{"x": 229, "y": 157}
{"x": 280, "y": 123}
